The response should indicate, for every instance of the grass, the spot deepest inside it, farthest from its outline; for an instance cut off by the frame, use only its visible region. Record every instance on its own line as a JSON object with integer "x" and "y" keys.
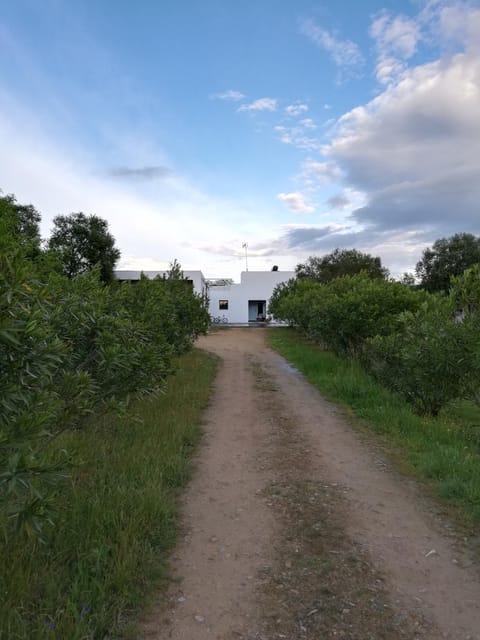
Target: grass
{"x": 116, "y": 520}
{"x": 444, "y": 450}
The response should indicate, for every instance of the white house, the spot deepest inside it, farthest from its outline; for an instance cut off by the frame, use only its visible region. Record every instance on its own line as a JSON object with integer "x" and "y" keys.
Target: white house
{"x": 248, "y": 300}
{"x": 238, "y": 303}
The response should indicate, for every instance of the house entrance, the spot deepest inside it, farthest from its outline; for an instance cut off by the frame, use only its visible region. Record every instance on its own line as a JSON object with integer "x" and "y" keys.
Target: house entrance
{"x": 257, "y": 310}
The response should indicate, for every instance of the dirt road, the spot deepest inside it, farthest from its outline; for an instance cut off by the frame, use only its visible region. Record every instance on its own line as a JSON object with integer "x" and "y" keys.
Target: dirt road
{"x": 296, "y": 527}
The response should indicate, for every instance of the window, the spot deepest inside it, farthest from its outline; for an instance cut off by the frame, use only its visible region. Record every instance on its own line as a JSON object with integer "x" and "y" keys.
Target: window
{"x": 223, "y": 305}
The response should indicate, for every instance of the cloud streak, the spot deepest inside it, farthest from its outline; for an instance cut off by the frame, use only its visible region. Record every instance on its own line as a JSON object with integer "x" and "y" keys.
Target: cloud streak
{"x": 140, "y": 173}
{"x": 230, "y": 96}
{"x": 396, "y": 39}
{"x": 262, "y": 104}
{"x": 344, "y": 53}
{"x": 299, "y": 136}
{"x": 296, "y": 202}
{"x": 296, "y": 109}
{"x": 316, "y": 174}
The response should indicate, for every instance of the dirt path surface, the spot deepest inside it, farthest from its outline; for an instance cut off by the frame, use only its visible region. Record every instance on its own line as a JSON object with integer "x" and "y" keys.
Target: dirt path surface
{"x": 295, "y": 527}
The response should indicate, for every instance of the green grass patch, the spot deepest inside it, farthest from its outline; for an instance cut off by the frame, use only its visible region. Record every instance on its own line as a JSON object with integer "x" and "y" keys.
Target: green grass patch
{"x": 116, "y": 519}
{"x": 444, "y": 450}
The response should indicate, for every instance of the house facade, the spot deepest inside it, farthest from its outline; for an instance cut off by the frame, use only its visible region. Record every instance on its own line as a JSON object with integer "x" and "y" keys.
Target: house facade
{"x": 237, "y": 303}
{"x": 246, "y": 301}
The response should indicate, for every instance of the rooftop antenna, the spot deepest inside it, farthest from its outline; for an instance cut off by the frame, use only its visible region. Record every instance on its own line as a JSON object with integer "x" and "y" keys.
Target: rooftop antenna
{"x": 245, "y": 246}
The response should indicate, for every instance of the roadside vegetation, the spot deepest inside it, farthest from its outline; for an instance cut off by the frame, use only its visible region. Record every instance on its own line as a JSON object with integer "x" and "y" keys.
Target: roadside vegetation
{"x": 404, "y": 358}
{"x": 100, "y": 403}
{"x": 115, "y": 518}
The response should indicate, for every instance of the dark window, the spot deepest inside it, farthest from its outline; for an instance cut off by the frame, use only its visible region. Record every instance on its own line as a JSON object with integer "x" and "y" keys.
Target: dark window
{"x": 223, "y": 305}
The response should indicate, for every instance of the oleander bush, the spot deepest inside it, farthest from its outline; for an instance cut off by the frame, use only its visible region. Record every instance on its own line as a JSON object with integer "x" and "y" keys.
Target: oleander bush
{"x": 433, "y": 356}
{"x": 425, "y": 347}
{"x": 424, "y": 360}
{"x": 343, "y": 313}
{"x": 72, "y": 349}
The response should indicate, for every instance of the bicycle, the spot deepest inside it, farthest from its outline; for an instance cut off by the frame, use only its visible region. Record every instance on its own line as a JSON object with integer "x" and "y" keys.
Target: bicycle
{"x": 219, "y": 319}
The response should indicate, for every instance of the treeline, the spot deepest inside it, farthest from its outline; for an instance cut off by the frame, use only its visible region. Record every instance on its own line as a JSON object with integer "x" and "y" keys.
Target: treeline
{"x": 74, "y": 345}
{"x": 422, "y": 341}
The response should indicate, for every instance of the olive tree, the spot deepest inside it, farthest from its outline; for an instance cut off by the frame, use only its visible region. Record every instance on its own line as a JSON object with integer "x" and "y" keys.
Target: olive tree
{"x": 446, "y": 258}
{"x": 341, "y": 262}
{"x": 82, "y": 242}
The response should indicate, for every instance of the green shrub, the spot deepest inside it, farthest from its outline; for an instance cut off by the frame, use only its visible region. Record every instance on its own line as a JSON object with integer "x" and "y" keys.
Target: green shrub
{"x": 425, "y": 359}
{"x": 465, "y": 294}
{"x": 342, "y": 314}
{"x": 116, "y": 517}
{"x": 70, "y": 349}
{"x": 39, "y": 397}
{"x": 433, "y": 356}
{"x": 107, "y": 341}
{"x": 167, "y": 309}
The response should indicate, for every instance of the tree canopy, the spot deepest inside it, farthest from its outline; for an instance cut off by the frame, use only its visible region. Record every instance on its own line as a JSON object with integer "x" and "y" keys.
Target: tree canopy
{"x": 19, "y": 226}
{"x": 341, "y": 262}
{"x": 82, "y": 242}
{"x": 446, "y": 258}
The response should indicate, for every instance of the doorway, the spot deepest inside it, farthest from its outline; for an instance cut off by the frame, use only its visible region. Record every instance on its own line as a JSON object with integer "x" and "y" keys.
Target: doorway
{"x": 257, "y": 310}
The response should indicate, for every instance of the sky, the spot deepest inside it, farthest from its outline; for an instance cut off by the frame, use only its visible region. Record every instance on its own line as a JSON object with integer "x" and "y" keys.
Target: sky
{"x": 195, "y": 127}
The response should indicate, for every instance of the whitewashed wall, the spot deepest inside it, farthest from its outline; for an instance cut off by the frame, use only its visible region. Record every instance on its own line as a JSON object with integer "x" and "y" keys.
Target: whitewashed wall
{"x": 254, "y": 285}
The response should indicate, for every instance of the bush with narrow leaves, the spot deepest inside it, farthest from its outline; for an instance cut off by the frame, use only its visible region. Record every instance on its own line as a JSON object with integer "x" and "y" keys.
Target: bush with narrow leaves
{"x": 425, "y": 360}
{"x": 70, "y": 349}
{"x": 342, "y": 314}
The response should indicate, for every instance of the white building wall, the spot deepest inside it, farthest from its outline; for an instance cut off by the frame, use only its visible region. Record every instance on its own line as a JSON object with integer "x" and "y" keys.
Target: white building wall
{"x": 254, "y": 285}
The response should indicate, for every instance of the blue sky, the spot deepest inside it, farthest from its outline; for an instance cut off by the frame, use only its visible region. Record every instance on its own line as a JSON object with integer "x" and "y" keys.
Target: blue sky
{"x": 294, "y": 126}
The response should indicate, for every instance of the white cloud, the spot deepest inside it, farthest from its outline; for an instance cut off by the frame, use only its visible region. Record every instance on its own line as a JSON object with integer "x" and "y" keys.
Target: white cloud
{"x": 388, "y": 69}
{"x": 262, "y": 104}
{"x": 451, "y": 23}
{"x": 308, "y": 123}
{"x": 344, "y": 53}
{"x": 395, "y": 35}
{"x": 296, "y": 109}
{"x": 396, "y": 39}
{"x": 298, "y": 136}
{"x": 230, "y": 95}
{"x": 413, "y": 150}
{"x": 446, "y": 24}
{"x": 315, "y": 174}
{"x": 296, "y": 202}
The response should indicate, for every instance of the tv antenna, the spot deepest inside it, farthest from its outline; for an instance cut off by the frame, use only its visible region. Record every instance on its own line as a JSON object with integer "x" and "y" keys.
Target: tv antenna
{"x": 245, "y": 246}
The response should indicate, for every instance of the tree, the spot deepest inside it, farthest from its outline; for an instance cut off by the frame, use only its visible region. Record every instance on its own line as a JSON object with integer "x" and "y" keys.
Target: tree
{"x": 341, "y": 262}
{"x": 408, "y": 279}
{"x": 448, "y": 257}
{"x": 83, "y": 242}
{"x": 19, "y": 226}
